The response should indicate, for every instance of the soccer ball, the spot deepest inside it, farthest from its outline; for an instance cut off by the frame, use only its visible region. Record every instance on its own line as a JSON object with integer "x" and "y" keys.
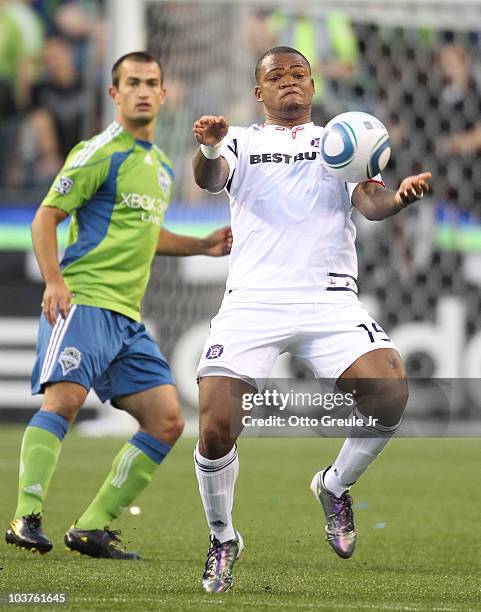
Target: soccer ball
{"x": 355, "y": 147}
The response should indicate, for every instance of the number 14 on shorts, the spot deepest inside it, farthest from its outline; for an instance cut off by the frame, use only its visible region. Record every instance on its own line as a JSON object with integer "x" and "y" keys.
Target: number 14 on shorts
{"x": 374, "y": 329}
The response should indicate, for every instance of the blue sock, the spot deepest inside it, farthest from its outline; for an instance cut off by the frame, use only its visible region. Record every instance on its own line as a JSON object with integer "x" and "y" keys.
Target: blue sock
{"x": 153, "y": 448}
{"x": 50, "y": 421}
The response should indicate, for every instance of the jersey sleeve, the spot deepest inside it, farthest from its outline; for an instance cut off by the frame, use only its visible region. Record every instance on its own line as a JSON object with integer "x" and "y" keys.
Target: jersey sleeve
{"x": 79, "y": 179}
{"x": 351, "y": 186}
{"x": 230, "y": 152}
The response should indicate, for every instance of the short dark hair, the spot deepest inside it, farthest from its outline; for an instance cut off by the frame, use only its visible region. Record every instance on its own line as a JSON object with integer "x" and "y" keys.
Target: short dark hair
{"x": 136, "y": 56}
{"x": 277, "y": 51}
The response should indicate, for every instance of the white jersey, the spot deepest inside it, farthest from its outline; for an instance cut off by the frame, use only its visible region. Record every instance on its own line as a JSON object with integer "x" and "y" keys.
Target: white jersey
{"x": 291, "y": 220}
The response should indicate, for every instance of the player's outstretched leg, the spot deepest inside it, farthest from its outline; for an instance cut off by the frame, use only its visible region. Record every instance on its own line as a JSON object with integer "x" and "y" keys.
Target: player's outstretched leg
{"x": 217, "y": 466}
{"x": 381, "y": 388}
{"x": 131, "y": 471}
{"x": 158, "y": 413}
{"x": 41, "y": 445}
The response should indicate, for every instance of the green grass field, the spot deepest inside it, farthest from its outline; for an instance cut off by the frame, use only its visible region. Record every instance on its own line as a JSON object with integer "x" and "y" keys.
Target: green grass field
{"x": 417, "y": 513}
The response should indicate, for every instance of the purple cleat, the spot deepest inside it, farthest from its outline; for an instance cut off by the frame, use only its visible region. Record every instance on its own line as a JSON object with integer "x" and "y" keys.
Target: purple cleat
{"x": 217, "y": 576}
{"x": 340, "y": 530}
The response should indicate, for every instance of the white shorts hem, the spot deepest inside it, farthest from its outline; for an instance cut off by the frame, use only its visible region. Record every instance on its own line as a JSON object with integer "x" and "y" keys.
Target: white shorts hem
{"x": 360, "y": 353}
{"x": 225, "y": 370}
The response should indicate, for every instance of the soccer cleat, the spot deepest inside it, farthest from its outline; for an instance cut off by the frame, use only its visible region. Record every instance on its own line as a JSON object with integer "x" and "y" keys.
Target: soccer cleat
{"x": 217, "y": 576}
{"x": 340, "y": 530}
{"x": 27, "y": 533}
{"x": 97, "y": 543}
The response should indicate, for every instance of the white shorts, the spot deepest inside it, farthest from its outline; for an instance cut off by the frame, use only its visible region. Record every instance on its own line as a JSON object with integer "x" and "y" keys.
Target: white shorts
{"x": 246, "y": 338}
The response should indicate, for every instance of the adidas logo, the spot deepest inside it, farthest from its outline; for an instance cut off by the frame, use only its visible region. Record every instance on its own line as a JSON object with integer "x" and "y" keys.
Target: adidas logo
{"x": 148, "y": 160}
{"x": 35, "y": 488}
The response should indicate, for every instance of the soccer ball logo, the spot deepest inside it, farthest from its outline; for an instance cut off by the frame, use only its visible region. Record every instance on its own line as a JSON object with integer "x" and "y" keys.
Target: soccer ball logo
{"x": 214, "y": 351}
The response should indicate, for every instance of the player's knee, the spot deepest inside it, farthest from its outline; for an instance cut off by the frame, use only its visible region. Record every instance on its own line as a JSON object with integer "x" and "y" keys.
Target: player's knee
{"x": 401, "y": 395}
{"x": 68, "y": 407}
{"x": 397, "y": 392}
{"x": 64, "y": 399}
{"x": 215, "y": 437}
{"x": 175, "y": 427}
{"x": 394, "y": 391}
{"x": 168, "y": 428}
{"x": 398, "y": 399}
{"x": 68, "y": 411}
{"x": 386, "y": 399}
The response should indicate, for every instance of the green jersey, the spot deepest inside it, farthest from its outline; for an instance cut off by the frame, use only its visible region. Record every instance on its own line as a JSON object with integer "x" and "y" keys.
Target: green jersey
{"x": 116, "y": 189}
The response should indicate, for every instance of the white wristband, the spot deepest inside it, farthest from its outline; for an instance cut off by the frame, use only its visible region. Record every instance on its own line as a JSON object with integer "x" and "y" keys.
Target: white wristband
{"x": 211, "y": 151}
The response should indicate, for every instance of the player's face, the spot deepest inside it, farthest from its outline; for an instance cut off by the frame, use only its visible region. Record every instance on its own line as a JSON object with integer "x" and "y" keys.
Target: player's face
{"x": 285, "y": 86}
{"x": 139, "y": 94}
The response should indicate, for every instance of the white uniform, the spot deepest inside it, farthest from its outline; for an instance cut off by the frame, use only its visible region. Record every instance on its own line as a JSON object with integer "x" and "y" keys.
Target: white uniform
{"x": 293, "y": 266}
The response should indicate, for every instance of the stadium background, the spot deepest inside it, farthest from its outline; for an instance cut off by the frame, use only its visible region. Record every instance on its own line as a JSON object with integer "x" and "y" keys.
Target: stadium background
{"x": 415, "y": 65}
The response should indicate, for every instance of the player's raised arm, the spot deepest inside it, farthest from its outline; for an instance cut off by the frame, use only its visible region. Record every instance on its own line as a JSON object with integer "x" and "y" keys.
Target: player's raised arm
{"x": 216, "y": 244}
{"x": 44, "y": 239}
{"x": 211, "y": 170}
{"x": 377, "y": 203}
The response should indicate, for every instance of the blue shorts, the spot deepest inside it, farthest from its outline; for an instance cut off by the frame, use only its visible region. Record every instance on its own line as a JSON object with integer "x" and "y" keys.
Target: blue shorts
{"x": 99, "y": 348}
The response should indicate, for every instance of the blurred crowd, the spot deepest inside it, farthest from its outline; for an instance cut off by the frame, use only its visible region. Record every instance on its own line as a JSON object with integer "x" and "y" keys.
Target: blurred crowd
{"x": 423, "y": 83}
{"x": 51, "y": 72}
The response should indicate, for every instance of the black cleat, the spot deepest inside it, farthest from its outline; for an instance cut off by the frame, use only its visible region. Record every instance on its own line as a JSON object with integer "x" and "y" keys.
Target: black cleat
{"x": 97, "y": 543}
{"x": 27, "y": 533}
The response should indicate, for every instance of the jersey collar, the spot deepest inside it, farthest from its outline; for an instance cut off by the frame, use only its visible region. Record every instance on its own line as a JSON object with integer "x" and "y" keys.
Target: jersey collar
{"x": 145, "y": 144}
{"x": 282, "y": 128}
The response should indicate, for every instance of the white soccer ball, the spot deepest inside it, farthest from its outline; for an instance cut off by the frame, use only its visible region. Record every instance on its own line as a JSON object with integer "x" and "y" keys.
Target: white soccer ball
{"x": 355, "y": 147}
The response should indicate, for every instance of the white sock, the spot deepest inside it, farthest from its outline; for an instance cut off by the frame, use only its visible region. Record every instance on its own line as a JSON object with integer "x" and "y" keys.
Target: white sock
{"x": 217, "y": 479}
{"x": 356, "y": 455}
